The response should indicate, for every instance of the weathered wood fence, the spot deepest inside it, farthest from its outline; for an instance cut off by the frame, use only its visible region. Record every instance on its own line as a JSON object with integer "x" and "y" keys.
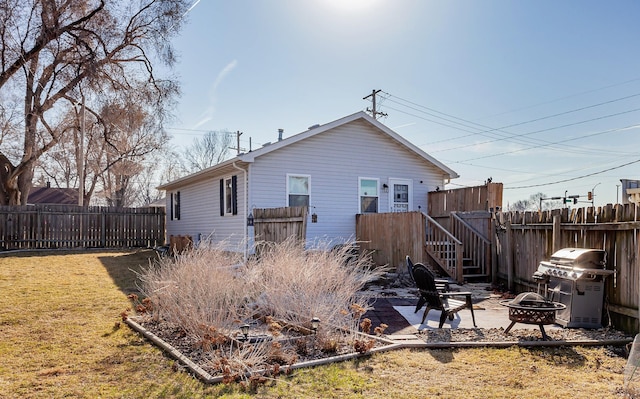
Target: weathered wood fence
{"x": 468, "y": 199}
{"x": 523, "y": 239}
{"x": 279, "y": 224}
{"x": 72, "y": 226}
{"x": 390, "y": 237}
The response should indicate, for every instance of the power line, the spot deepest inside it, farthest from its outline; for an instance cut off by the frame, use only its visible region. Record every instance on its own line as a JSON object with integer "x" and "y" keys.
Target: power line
{"x": 547, "y": 129}
{"x": 564, "y": 98}
{"x": 558, "y": 142}
{"x": 573, "y": 150}
{"x": 509, "y": 135}
{"x": 575, "y": 178}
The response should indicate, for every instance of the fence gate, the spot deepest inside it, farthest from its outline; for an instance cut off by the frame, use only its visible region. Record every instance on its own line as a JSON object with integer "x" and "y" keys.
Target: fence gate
{"x": 278, "y": 224}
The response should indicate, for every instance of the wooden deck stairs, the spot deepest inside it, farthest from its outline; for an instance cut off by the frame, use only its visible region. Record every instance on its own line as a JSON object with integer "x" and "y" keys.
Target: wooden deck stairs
{"x": 461, "y": 251}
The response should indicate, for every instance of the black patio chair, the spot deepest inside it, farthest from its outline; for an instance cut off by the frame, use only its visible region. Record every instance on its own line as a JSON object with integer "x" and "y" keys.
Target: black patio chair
{"x": 435, "y": 299}
{"x": 442, "y": 284}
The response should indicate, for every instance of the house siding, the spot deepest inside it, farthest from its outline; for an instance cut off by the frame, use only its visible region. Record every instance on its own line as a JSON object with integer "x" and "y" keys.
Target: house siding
{"x": 200, "y": 213}
{"x": 335, "y": 160}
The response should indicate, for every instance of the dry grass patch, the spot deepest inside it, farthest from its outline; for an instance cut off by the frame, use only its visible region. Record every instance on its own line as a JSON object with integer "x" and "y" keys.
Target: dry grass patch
{"x": 58, "y": 338}
{"x": 203, "y": 297}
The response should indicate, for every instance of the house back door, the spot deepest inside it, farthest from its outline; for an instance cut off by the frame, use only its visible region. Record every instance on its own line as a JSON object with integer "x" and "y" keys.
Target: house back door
{"x": 400, "y": 195}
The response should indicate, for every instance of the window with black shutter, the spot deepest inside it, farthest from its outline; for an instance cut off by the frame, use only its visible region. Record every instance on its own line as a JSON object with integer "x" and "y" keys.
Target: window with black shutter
{"x": 176, "y": 202}
{"x": 229, "y": 196}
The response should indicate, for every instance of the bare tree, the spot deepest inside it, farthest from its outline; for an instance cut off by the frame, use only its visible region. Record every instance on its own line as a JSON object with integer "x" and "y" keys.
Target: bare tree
{"x": 162, "y": 167}
{"x": 61, "y": 47}
{"x": 131, "y": 136}
{"x": 533, "y": 203}
{"x": 209, "y": 150}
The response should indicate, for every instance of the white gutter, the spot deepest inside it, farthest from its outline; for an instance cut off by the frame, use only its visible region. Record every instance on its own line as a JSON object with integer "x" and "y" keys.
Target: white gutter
{"x": 246, "y": 208}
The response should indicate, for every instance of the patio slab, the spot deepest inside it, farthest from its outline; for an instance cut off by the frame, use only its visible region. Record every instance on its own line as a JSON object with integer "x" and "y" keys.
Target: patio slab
{"x": 397, "y": 311}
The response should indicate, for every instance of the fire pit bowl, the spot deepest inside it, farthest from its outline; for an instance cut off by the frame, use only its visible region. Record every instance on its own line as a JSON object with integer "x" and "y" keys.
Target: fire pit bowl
{"x": 532, "y": 308}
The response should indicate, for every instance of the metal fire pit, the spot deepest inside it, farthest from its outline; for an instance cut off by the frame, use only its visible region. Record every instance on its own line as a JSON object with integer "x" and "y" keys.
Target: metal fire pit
{"x": 532, "y": 308}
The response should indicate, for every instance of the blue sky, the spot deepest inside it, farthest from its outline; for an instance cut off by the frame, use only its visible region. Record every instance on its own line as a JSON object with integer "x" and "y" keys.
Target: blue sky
{"x": 539, "y": 95}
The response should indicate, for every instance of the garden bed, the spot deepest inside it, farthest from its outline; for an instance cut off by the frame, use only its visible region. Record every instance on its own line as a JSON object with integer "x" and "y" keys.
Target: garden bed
{"x": 187, "y": 350}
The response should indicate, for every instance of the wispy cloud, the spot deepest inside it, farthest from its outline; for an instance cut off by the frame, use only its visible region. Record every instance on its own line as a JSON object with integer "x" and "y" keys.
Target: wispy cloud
{"x": 207, "y": 114}
{"x": 405, "y": 125}
{"x": 223, "y": 74}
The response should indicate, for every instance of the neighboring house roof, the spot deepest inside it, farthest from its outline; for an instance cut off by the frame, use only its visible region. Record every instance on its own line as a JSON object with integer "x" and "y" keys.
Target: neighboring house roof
{"x": 52, "y": 195}
{"x": 251, "y": 156}
{"x": 159, "y": 203}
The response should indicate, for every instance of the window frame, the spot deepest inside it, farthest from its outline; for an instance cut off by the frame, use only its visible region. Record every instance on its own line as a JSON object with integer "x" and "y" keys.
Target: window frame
{"x": 175, "y": 205}
{"x": 288, "y": 188}
{"x": 228, "y": 196}
{"x": 361, "y": 196}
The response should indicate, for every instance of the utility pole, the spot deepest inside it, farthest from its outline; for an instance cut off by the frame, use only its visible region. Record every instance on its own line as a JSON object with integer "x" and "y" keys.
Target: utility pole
{"x": 373, "y": 110}
{"x": 238, "y": 149}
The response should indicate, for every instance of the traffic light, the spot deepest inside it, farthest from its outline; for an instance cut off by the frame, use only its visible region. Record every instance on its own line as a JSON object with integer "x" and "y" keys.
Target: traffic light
{"x": 575, "y": 200}
{"x": 590, "y": 196}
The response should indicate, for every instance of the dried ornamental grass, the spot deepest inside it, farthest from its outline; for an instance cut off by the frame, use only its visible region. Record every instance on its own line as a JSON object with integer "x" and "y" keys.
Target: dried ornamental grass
{"x": 296, "y": 285}
{"x": 198, "y": 291}
{"x": 208, "y": 294}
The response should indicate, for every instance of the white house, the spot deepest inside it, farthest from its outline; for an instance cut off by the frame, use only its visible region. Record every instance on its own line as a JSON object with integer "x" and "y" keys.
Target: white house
{"x": 349, "y": 166}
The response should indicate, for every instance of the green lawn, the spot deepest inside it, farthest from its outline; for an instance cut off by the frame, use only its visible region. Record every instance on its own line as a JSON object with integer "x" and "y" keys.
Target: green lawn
{"x": 61, "y": 337}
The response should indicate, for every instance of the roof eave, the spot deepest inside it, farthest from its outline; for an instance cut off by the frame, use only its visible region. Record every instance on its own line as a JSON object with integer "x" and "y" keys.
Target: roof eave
{"x": 203, "y": 174}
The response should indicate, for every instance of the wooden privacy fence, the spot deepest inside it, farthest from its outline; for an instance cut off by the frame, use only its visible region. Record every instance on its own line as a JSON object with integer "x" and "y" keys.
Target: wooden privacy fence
{"x": 524, "y": 239}
{"x": 462, "y": 252}
{"x": 72, "y": 226}
{"x": 390, "y": 237}
{"x": 278, "y": 224}
{"x": 468, "y": 199}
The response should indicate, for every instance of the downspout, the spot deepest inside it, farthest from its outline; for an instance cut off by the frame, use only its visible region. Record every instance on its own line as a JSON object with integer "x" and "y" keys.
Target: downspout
{"x": 246, "y": 209}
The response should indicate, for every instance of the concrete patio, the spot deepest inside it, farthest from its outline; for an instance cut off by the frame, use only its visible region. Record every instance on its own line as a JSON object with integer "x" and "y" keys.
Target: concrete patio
{"x": 395, "y": 307}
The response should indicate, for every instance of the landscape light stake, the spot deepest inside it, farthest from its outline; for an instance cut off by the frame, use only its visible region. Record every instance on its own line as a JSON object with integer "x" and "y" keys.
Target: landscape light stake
{"x": 315, "y": 323}
{"x": 244, "y": 329}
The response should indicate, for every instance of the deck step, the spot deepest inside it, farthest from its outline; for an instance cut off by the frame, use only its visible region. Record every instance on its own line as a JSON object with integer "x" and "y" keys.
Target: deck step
{"x": 477, "y": 275}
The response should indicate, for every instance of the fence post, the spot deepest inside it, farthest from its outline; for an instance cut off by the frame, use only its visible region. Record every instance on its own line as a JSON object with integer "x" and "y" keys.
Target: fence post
{"x": 494, "y": 249}
{"x": 509, "y": 256}
{"x": 556, "y": 235}
{"x": 103, "y": 229}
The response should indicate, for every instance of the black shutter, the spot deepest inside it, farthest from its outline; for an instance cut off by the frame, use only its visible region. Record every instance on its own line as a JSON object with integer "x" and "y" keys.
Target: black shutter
{"x": 171, "y": 205}
{"x": 178, "y": 205}
{"x": 234, "y": 194}
{"x": 221, "y": 197}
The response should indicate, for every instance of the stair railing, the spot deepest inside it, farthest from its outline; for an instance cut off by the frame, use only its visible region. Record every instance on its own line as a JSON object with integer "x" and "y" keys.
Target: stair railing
{"x": 444, "y": 248}
{"x": 476, "y": 248}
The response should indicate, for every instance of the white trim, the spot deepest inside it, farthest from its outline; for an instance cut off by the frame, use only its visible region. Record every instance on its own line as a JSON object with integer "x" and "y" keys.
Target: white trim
{"x": 287, "y": 193}
{"x": 246, "y": 209}
{"x": 228, "y": 207}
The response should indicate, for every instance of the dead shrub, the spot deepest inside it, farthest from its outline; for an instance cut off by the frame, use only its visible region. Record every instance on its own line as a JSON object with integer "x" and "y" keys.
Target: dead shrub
{"x": 296, "y": 285}
{"x": 208, "y": 293}
{"x": 196, "y": 290}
